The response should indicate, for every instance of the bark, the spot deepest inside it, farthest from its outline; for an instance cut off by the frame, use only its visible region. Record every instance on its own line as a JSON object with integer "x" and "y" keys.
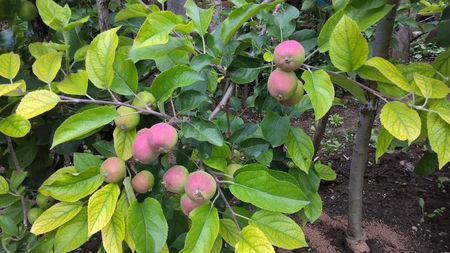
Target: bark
{"x": 355, "y": 232}
{"x": 320, "y": 131}
{"x": 176, "y": 6}
{"x": 103, "y": 15}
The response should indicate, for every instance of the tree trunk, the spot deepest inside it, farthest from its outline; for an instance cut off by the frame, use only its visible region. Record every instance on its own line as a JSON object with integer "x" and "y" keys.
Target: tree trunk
{"x": 320, "y": 131}
{"x": 176, "y": 6}
{"x": 103, "y": 15}
{"x": 355, "y": 232}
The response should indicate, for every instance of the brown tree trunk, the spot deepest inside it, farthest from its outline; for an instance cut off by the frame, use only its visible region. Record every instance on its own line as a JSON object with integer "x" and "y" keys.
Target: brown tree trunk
{"x": 103, "y": 15}
{"x": 355, "y": 233}
{"x": 320, "y": 131}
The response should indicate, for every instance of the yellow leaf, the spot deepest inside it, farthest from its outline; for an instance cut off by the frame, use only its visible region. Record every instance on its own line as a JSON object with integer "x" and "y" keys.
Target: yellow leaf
{"x": 9, "y": 89}
{"x": 9, "y": 65}
{"x": 253, "y": 241}
{"x": 55, "y": 216}
{"x": 47, "y": 66}
{"x": 37, "y": 102}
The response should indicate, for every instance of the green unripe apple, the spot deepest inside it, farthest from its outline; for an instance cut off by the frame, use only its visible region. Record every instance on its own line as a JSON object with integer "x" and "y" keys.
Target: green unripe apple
{"x": 33, "y": 214}
{"x": 129, "y": 121}
{"x": 27, "y": 11}
{"x": 147, "y": 98}
{"x": 43, "y": 201}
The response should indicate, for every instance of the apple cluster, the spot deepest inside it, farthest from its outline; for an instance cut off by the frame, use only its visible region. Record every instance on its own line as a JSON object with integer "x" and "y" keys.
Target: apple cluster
{"x": 197, "y": 187}
{"x": 43, "y": 202}
{"x": 283, "y": 84}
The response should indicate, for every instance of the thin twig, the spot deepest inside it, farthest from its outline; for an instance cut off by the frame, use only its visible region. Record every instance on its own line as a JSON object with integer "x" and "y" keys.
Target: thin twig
{"x": 227, "y": 204}
{"x": 19, "y": 170}
{"x": 145, "y": 6}
{"x": 222, "y": 102}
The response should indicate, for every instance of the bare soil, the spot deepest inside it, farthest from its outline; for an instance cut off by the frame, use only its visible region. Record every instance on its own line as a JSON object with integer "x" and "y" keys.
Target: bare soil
{"x": 391, "y": 197}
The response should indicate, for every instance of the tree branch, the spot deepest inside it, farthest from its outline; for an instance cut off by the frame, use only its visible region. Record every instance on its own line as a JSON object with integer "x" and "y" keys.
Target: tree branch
{"x": 222, "y": 102}
{"x": 19, "y": 170}
{"x": 227, "y": 204}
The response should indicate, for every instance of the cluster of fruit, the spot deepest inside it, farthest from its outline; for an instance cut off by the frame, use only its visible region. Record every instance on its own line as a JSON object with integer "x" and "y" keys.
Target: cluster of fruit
{"x": 26, "y": 10}
{"x": 43, "y": 202}
{"x": 283, "y": 84}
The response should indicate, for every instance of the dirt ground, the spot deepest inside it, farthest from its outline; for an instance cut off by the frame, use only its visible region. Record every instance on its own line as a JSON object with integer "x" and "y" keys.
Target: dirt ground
{"x": 391, "y": 197}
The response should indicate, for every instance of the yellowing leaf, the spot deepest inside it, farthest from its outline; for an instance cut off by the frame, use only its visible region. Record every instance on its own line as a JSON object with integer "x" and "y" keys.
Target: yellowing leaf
{"x": 101, "y": 207}
{"x": 320, "y": 91}
{"x": 9, "y": 65}
{"x": 253, "y": 241}
{"x": 8, "y": 89}
{"x": 72, "y": 234}
{"x": 348, "y": 48}
{"x": 439, "y": 136}
{"x": 55, "y": 216}
{"x": 430, "y": 87}
{"x": 401, "y": 121}
{"x": 123, "y": 141}
{"x": 47, "y": 66}
{"x": 229, "y": 232}
{"x": 389, "y": 71}
{"x": 279, "y": 229}
{"x": 383, "y": 141}
{"x": 15, "y": 126}
{"x": 100, "y": 58}
{"x": 37, "y": 102}
{"x": 74, "y": 84}
{"x": 52, "y": 14}
{"x": 114, "y": 233}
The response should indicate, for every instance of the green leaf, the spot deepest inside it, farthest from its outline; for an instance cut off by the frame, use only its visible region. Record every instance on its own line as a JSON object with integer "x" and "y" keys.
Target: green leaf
{"x": 4, "y": 187}
{"x": 80, "y": 54}
{"x": 171, "y": 79}
{"x": 266, "y": 192}
{"x": 253, "y": 241}
{"x": 71, "y": 187}
{"x": 7, "y": 225}
{"x": 132, "y": 11}
{"x": 426, "y": 165}
{"x": 156, "y": 28}
{"x": 300, "y": 148}
{"x": 429, "y": 87}
{"x": 82, "y": 123}
{"x": 154, "y": 52}
{"x": 442, "y": 63}
{"x": 36, "y": 103}
{"x": 123, "y": 141}
{"x": 15, "y": 126}
{"x": 401, "y": 121}
{"x": 442, "y": 107}
{"x": 350, "y": 86}
{"x": 383, "y": 141}
{"x": 54, "y": 176}
{"x": 217, "y": 247}
{"x": 175, "y": 57}
{"x": 55, "y": 216}
{"x": 101, "y": 207}
{"x": 52, "y": 14}
{"x": 388, "y": 71}
{"x": 83, "y": 161}
{"x": 265, "y": 157}
{"x": 275, "y": 128}
{"x": 200, "y": 17}
{"x": 100, "y": 58}
{"x": 44, "y": 243}
{"x": 147, "y": 226}
{"x": 238, "y": 16}
{"x": 411, "y": 69}
{"x": 348, "y": 48}
{"x": 125, "y": 80}
{"x": 47, "y": 66}
{"x": 439, "y": 136}
{"x": 204, "y": 230}
{"x": 113, "y": 233}
{"x": 9, "y": 65}
{"x": 74, "y": 84}
{"x": 8, "y": 89}
{"x": 313, "y": 210}
{"x": 189, "y": 100}
{"x": 320, "y": 91}
{"x": 73, "y": 24}
{"x": 229, "y": 232}
{"x": 325, "y": 172}
{"x": 327, "y": 30}
{"x": 73, "y": 234}
{"x": 203, "y": 130}
{"x": 279, "y": 229}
